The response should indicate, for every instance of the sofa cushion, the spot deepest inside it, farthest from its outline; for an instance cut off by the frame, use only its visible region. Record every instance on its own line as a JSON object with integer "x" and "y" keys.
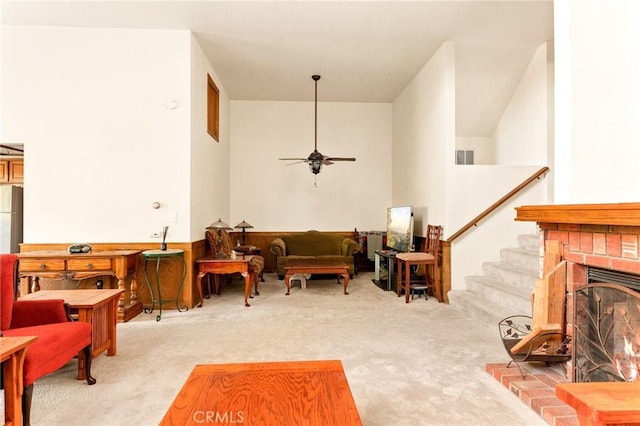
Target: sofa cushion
{"x": 313, "y": 244}
{"x": 55, "y": 346}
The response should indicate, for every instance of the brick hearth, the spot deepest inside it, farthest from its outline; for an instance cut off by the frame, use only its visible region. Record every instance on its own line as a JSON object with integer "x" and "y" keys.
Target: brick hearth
{"x": 537, "y": 390}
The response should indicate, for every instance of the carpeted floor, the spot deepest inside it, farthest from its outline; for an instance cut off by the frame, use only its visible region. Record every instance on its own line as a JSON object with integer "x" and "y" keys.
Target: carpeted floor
{"x": 421, "y": 363}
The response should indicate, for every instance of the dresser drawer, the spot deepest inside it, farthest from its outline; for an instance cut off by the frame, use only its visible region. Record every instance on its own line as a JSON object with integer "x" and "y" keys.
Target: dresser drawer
{"x": 41, "y": 265}
{"x": 88, "y": 264}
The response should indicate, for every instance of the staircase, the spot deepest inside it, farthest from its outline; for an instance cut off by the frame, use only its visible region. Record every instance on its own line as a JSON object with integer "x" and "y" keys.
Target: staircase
{"x": 506, "y": 286}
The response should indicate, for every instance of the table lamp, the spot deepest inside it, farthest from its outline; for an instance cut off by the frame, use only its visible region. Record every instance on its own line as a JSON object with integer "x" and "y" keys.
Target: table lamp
{"x": 219, "y": 226}
{"x": 244, "y": 225}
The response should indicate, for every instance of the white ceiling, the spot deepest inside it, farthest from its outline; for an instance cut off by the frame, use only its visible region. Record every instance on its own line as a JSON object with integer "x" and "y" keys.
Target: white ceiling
{"x": 365, "y": 51}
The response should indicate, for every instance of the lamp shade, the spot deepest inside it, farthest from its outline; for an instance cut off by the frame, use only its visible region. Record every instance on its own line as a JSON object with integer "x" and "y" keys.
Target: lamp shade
{"x": 219, "y": 225}
{"x": 244, "y": 225}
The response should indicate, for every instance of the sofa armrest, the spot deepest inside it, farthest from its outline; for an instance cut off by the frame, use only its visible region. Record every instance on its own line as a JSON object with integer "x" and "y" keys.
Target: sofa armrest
{"x": 349, "y": 247}
{"x": 28, "y": 313}
{"x": 278, "y": 247}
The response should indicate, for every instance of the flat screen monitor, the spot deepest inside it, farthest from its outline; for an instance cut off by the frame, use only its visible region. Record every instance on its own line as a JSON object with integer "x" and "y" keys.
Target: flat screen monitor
{"x": 400, "y": 228}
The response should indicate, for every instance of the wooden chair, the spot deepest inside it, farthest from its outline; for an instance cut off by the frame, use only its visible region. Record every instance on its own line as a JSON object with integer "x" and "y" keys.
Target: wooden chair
{"x": 427, "y": 258}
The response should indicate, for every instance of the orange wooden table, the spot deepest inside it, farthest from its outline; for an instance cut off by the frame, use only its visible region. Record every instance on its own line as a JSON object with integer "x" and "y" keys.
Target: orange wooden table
{"x": 12, "y": 353}
{"x": 270, "y": 393}
{"x": 603, "y": 403}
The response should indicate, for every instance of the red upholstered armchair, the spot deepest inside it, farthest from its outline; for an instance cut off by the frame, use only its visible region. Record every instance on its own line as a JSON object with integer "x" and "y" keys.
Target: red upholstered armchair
{"x": 59, "y": 338}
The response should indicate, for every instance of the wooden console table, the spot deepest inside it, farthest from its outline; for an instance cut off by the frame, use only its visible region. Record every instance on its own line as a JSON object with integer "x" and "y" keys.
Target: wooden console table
{"x": 603, "y": 403}
{"x": 60, "y": 264}
{"x": 313, "y": 393}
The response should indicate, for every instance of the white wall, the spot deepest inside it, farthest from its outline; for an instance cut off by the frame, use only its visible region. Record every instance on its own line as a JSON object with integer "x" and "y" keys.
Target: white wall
{"x": 272, "y": 195}
{"x": 520, "y": 137}
{"x": 424, "y": 140}
{"x": 100, "y": 145}
{"x": 598, "y": 101}
{"x": 209, "y": 184}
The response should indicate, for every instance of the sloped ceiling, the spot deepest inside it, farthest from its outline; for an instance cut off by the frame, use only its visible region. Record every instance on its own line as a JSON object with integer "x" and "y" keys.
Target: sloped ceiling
{"x": 366, "y": 51}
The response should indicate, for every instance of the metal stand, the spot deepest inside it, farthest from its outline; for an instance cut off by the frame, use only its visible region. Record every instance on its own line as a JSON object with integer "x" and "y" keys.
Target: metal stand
{"x": 160, "y": 255}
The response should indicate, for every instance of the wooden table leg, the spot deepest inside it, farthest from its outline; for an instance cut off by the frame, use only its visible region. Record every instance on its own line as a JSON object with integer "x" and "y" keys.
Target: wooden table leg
{"x": 13, "y": 387}
{"x": 199, "y": 285}
{"x": 407, "y": 281}
{"x": 346, "y": 281}
{"x": 247, "y": 287}
{"x": 287, "y": 282}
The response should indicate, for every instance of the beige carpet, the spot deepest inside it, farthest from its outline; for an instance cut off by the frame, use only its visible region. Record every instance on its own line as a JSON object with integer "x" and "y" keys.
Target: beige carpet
{"x": 416, "y": 364}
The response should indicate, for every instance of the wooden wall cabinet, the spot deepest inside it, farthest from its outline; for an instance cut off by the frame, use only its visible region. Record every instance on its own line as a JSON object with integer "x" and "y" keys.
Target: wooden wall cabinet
{"x": 11, "y": 171}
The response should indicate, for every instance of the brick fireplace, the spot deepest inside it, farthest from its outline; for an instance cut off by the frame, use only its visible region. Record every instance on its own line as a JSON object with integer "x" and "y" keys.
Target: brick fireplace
{"x": 592, "y": 237}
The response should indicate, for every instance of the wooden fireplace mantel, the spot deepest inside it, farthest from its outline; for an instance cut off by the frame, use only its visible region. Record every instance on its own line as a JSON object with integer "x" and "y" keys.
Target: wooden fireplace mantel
{"x": 627, "y": 214}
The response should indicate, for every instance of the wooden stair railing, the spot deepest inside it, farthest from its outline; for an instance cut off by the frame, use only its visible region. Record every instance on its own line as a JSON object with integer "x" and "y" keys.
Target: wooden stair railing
{"x": 445, "y": 245}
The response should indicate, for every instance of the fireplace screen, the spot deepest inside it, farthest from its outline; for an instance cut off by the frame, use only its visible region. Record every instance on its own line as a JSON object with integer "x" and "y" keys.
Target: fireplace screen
{"x": 606, "y": 334}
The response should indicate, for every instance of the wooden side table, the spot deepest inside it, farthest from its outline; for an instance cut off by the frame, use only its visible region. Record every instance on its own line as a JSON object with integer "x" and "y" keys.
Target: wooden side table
{"x": 159, "y": 256}
{"x": 250, "y": 250}
{"x": 97, "y": 307}
{"x": 210, "y": 265}
{"x": 12, "y": 353}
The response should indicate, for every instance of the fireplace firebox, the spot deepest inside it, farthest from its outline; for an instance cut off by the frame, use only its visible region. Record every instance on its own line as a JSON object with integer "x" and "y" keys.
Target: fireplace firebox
{"x": 606, "y": 333}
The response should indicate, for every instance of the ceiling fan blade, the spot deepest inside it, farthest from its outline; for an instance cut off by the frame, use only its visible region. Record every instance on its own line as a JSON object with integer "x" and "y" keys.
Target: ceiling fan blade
{"x": 297, "y": 162}
{"x": 293, "y": 159}
{"x": 340, "y": 159}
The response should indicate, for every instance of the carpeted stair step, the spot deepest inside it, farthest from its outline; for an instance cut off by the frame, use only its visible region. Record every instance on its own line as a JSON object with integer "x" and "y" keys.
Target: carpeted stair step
{"x": 477, "y": 307}
{"x": 528, "y": 259}
{"x": 506, "y": 286}
{"x": 515, "y": 299}
{"x": 513, "y": 274}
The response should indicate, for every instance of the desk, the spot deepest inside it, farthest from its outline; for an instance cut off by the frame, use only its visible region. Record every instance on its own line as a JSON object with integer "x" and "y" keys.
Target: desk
{"x": 97, "y": 307}
{"x": 210, "y": 265}
{"x": 59, "y": 264}
{"x": 313, "y": 393}
{"x": 12, "y": 353}
{"x": 159, "y": 256}
{"x": 603, "y": 403}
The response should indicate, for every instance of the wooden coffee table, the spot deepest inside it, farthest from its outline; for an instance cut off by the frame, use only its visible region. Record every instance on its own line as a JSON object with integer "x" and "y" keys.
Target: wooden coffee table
{"x": 315, "y": 266}
{"x": 97, "y": 307}
{"x": 269, "y": 393}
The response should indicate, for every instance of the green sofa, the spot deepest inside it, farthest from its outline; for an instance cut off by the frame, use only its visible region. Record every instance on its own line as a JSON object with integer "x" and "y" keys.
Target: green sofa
{"x": 313, "y": 245}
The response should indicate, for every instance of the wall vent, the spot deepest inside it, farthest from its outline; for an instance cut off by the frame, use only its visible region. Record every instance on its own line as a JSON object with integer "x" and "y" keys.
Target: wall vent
{"x": 464, "y": 156}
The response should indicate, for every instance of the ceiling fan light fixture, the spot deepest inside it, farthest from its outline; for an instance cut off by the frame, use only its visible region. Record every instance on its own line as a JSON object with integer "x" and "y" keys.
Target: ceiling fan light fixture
{"x": 315, "y": 166}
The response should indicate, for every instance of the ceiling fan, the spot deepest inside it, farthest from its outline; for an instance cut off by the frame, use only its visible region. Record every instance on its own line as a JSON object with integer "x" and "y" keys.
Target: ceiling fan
{"x": 315, "y": 160}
